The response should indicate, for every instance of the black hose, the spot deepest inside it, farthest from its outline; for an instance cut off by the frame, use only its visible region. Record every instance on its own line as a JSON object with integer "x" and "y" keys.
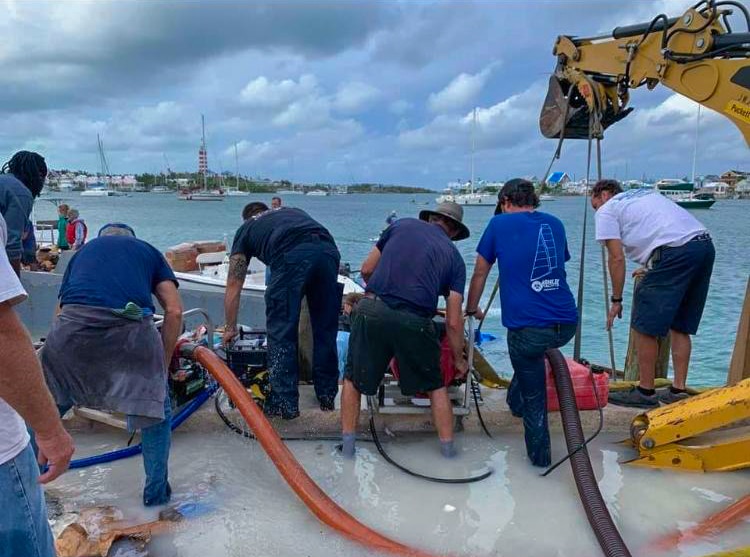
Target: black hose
{"x": 549, "y": 470}
{"x": 598, "y": 516}
{"x": 474, "y": 390}
{"x": 389, "y": 460}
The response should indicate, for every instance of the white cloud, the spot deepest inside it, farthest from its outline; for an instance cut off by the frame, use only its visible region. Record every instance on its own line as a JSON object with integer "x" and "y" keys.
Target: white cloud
{"x": 262, "y": 93}
{"x": 355, "y": 96}
{"x": 400, "y": 106}
{"x": 506, "y": 123}
{"x": 460, "y": 92}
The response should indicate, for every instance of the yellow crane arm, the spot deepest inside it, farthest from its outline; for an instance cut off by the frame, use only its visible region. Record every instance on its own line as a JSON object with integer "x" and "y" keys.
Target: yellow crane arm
{"x": 696, "y": 55}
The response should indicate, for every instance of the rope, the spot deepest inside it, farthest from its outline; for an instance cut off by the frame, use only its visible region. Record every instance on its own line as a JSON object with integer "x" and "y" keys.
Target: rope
{"x": 582, "y": 266}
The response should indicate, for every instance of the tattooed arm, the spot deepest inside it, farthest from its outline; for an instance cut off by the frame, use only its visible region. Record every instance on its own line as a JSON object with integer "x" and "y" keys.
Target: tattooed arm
{"x": 235, "y": 280}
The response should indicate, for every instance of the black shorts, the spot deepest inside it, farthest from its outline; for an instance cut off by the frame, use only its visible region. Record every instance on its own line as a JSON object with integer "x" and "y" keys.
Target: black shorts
{"x": 380, "y": 333}
{"x": 673, "y": 293}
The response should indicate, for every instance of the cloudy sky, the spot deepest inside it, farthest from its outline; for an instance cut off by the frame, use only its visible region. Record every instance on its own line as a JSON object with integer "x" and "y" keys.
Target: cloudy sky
{"x": 331, "y": 91}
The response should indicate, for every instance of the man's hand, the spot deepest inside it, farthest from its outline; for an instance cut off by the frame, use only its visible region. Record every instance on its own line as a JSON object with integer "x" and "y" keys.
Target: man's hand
{"x": 640, "y": 272}
{"x": 615, "y": 310}
{"x": 478, "y": 314}
{"x": 462, "y": 365}
{"x": 228, "y": 335}
{"x": 55, "y": 451}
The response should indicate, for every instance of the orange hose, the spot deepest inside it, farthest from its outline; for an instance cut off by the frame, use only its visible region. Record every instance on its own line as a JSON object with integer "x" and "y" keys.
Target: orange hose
{"x": 710, "y": 526}
{"x": 292, "y": 471}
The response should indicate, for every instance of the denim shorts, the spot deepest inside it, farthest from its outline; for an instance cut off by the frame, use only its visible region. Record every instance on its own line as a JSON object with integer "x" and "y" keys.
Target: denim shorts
{"x": 24, "y": 530}
{"x": 673, "y": 293}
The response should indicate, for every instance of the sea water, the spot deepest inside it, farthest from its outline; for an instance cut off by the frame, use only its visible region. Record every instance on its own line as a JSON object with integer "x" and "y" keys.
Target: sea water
{"x": 246, "y": 509}
{"x": 355, "y": 219}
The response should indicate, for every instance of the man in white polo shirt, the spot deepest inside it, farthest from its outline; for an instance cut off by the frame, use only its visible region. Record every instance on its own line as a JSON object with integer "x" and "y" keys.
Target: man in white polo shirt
{"x": 678, "y": 256}
{"x": 24, "y": 530}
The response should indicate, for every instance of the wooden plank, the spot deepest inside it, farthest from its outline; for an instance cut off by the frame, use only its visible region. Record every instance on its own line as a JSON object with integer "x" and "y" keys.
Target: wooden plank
{"x": 113, "y": 420}
{"x": 739, "y": 367}
{"x": 632, "y": 373}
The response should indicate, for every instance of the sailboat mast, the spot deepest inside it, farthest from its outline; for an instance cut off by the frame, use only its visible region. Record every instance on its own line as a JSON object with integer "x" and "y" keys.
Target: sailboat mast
{"x": 695, "y": 146}
{"x": 473, "y": 146}
{"x": 236, "y": 169}
{"x": 205, "y": 153}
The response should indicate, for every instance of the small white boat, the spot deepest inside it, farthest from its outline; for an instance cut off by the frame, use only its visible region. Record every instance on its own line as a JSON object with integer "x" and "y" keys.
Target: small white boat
{"x": 97, "y": 192}
{"x": 161, "y": 189}
{"x": 237, "y": 193}
{"x": 472, "y": 198}
{"x": 203, "y": 195}
{"x": 290, "y": 192}
{"x": 547, "y": 197}
{"x": 318, "y": 193}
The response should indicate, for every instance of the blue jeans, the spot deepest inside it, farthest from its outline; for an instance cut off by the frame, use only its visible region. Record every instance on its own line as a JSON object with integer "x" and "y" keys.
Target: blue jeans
{"x": 527, "y": 393}
{"x": 24, "y": 529}
{"x": 309, "y": 269}
{"x": 155, "y": 443}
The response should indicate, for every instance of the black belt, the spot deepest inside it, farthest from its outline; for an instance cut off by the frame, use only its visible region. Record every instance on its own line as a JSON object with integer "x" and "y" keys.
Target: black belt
{"x": 656, "y": 254}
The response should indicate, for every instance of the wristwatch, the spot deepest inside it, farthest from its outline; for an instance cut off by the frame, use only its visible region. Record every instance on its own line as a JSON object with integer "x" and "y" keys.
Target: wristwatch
{"x": 615, "y": 300}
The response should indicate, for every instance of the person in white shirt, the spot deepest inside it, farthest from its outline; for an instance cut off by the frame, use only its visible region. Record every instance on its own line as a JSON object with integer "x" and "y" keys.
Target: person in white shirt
{"x": 677, "y": 257}
{"x": 24, "y": 529}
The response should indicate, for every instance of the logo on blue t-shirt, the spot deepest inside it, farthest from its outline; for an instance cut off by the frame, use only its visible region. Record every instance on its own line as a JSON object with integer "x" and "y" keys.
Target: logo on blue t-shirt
{"x": 545, "y": 261}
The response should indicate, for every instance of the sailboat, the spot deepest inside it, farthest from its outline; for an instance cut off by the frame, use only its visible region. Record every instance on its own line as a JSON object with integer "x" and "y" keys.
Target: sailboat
{"x": 101, "y": 188}
{"x": 204, "y": 194}
{"x": 236, "y": 191}
{"x": 471, "y": 197}
{"x": 682, "y": 192}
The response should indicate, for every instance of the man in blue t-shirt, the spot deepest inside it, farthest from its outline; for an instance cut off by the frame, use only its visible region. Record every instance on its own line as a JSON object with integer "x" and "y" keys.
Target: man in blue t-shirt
{"x": 538, "y": 308}
{"x": 104, "y": 350}
{"x": 412, "y": 265}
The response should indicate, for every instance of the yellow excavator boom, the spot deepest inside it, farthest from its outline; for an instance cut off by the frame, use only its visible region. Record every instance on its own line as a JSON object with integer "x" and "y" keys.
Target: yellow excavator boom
{"x": 696, "y": 55}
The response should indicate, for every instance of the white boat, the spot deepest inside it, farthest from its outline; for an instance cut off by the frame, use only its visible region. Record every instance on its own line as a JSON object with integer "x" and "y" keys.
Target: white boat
{"x": 161, "y": 189}
{"x": 236, "y": 191}
{"x": 547, "y": 197}
{"x": 97, "y": 192}
{"x": 215, "y": 274}
{"x": 472, "y": 198}
{"x": 290, "y": 192}
{"x": 203, "y": 195}
{"x": 318, "y": 193}
{"x": 231, "y": 192}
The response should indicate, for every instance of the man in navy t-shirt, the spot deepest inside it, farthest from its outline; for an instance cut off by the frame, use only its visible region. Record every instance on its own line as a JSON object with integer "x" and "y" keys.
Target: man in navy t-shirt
{"x": 412, "y": 265}
{"x": 304, "y": 261}
{"x": 538, "y": 308}
{"x": 104, "y": 350}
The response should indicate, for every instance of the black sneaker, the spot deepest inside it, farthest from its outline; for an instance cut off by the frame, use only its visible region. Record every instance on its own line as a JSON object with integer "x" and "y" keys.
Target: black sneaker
{"x": 633, "y": 398}
{"x": 327, "y": 403}
{"x": 667, "y": 396}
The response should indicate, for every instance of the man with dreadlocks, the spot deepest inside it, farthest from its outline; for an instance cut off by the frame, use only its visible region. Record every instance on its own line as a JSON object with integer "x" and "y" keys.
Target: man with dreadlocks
{"x": 21, "y": 182}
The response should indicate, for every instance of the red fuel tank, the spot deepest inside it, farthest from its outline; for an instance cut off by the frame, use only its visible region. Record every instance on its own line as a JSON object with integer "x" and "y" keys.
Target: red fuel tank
{"x": 582, "y": 385}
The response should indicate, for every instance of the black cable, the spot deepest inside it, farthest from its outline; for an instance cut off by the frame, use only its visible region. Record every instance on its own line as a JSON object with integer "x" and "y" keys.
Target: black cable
{"x": 710, "y": 19}
{"x": 247, "y": 435}
{"x": 587, "y": 441}
{"x": 742, "y": 8}
{"x": 389, "y": 460}
{"x": 476, "y": 404}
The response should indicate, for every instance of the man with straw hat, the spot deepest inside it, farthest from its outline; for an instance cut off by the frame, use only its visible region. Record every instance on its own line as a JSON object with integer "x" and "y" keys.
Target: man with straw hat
{"x": 413, "y": 263}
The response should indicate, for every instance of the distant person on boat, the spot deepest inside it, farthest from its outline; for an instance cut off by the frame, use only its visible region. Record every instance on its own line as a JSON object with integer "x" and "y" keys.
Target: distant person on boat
{"x": 76, "y": 230}
{"x": 24, "y": 528}
{"x": 390, "y": 219}
{"x": 413, "y": 264}
{"x": 677, "y": 258}
{"x": 275, "y": 202}
{"x": 104, "y": 351}
{"x": 62, "y": 226}
{"x": 21, "y": 182}
{"x": 304, "y": 261}
{"x": 538, "y": 308}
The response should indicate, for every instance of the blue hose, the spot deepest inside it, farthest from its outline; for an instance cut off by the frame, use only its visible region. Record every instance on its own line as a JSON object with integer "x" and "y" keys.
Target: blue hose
{"x": 133, "y": 450}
